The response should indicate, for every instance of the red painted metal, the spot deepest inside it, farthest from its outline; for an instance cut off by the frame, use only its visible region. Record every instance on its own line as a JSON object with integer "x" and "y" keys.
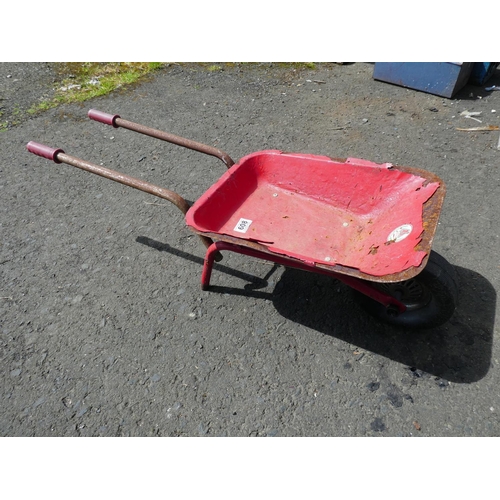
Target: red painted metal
{"x": 106, "y": 118}
{"x": 355, "y": 213}
{"x": 44, "y": 151}
{"x": 362, "y": 286}
{"x": 354, "y": 220}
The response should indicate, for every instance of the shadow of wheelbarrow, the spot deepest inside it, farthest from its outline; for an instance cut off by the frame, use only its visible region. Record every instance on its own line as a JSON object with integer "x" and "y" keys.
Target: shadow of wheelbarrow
{"x": 458, "y": 351}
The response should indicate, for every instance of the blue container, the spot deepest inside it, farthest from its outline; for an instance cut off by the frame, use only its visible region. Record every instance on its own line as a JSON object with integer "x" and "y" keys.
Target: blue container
{"x": 439, "y": 78}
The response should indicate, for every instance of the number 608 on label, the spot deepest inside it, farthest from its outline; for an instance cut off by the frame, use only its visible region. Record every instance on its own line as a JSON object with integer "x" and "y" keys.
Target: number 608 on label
{"x": 242, "y": 225}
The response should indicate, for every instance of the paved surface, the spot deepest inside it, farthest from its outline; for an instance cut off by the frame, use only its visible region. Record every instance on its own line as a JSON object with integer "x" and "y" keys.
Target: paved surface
{"x": 105, "y": 331}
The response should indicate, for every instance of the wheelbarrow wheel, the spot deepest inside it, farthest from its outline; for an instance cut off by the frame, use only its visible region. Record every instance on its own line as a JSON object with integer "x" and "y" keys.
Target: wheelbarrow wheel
{"x": 430, "y": 297}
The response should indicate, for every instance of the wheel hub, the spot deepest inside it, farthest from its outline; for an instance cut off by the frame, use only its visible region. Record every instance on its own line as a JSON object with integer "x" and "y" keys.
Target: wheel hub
{"x": 413, "y": 294}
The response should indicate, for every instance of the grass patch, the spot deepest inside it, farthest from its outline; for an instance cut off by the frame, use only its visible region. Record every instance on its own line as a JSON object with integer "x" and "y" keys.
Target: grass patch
{"x": 79, "y": 81}
{"x": 86, "y": 80}
{"x": 82, "y": 81}
{"x": 214, "y": 67}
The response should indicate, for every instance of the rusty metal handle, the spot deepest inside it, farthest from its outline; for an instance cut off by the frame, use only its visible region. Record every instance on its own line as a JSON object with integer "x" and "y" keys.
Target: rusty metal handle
{"x": 116, "y": 121}
{"x": 59, "y": 156}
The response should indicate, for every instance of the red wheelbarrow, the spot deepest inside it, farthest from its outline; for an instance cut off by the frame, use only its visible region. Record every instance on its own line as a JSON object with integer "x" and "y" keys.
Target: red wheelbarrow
{"x": 366, "y": 224}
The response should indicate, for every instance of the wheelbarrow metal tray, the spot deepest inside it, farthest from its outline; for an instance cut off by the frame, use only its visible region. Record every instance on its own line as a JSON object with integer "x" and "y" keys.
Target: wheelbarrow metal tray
{"x": 355, "y": 217}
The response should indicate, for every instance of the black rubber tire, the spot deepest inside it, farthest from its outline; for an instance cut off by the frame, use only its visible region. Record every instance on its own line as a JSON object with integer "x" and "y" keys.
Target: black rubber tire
{"x": 430, "y": 297}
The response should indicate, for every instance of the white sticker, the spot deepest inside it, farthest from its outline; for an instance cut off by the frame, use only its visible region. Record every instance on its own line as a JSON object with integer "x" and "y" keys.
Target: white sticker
{"x": 400, "y": 233}
{"x": 243, "y": 225}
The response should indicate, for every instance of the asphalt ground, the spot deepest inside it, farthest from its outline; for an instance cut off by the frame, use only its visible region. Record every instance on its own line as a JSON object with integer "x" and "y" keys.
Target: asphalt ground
{"x": 104, "y": 328}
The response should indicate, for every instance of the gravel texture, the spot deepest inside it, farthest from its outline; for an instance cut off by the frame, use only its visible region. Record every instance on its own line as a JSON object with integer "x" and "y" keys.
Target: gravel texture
{"x": 104, "y": 330}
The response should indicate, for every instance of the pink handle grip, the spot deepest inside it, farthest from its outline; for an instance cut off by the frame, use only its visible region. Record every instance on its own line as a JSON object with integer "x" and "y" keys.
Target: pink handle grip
{"x": 44, "y": 151}
{"x": 106, "y": 118}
